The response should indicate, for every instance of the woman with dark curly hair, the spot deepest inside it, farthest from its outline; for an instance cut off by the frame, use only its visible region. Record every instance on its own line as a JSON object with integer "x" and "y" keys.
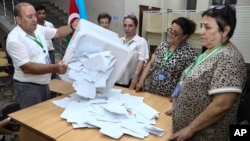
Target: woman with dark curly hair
{"x": 169, "y": 59}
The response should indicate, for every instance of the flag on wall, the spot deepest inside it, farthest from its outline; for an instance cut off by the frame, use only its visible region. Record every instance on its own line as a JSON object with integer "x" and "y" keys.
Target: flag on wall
{"x": 76, "y": 10}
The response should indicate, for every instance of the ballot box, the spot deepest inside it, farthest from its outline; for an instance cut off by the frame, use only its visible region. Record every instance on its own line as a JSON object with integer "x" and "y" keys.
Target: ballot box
{"x": 90, "y": 38}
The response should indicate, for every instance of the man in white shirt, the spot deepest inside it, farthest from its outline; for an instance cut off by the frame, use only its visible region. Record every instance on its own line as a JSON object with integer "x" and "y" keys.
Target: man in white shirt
{"x": 26, "y": 45}
{"x": 41, "y": 16}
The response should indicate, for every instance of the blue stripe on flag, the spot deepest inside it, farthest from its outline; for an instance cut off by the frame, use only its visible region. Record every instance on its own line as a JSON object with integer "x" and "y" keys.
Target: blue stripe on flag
{"x": 82, "y": 9}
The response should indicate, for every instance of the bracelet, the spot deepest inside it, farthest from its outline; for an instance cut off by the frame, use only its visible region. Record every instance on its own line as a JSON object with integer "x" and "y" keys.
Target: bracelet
{"x": 71, "y": 26}
{"x": 137, "y": 73}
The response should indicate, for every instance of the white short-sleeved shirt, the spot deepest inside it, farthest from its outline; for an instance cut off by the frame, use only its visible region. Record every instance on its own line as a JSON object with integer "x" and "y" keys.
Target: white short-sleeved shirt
{"x": 22, "y": 49}
{"x": 49, "y": 41}
{"x": 139, "y": 47}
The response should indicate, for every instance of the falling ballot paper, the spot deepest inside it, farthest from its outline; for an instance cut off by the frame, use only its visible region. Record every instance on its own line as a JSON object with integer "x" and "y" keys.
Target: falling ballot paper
{"x": 96, "y": 59}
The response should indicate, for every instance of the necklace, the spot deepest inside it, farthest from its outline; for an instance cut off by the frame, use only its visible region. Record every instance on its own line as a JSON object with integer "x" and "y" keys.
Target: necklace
{"x": 38, "y": 41}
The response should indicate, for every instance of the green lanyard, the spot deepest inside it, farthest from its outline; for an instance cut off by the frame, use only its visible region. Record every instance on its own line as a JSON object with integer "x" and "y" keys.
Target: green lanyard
{"x": 200, "y": 58}
{"x": 38, "y": 41}
{"x": 167, "y": 55}
{"x": 127, "y": 44}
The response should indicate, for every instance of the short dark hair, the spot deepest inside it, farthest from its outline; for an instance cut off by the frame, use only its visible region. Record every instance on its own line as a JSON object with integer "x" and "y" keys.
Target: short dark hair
{"x": 103, "y": 15}
{"x": 39, "y": 7}
{"x": 132, "y": 17}
{"x": 224, "y": 15}
{"x": 188, "y": 26}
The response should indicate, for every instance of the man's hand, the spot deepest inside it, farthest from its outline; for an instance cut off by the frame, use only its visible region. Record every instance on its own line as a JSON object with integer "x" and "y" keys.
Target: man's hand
{"x": 61, "y": 68}
{"x": 75, "y": 23}
{"x": 2, "y": 124}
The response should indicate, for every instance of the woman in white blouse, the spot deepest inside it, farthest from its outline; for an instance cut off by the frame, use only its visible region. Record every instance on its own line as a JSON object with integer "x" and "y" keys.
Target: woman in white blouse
{"x": 140, "y": 51}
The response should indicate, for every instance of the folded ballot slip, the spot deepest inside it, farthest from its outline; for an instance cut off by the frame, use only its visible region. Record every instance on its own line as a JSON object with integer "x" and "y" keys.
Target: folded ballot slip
{"x": 89, "y": 39}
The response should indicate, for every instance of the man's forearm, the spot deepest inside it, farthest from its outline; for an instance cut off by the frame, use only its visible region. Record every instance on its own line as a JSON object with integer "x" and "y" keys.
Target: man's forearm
{"x": 38, "y": 68}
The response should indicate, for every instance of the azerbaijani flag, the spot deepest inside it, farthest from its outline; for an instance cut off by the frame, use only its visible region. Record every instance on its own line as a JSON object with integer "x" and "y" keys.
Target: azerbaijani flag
{"x": 77, "y": 10}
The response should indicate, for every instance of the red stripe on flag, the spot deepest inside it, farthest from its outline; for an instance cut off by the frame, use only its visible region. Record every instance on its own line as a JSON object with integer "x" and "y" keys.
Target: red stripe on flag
{"x": 73, "y": 11}
{"x": 73, "y": 14}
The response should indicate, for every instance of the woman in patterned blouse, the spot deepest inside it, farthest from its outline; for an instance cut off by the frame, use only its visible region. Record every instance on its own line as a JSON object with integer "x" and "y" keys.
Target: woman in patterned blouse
{"x": 209, "y": 90}
{"x": 169, "y": 59}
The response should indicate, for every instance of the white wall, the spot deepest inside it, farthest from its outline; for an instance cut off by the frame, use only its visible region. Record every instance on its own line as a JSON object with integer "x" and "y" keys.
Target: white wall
{"x": 202, "y": 4}
{"x": 174, "y": 4}
{"x": 243, "y": 2}
{"x": 132, "y": 7}
{"x": 152, "y": 3}
{"x": 117, "y": 9}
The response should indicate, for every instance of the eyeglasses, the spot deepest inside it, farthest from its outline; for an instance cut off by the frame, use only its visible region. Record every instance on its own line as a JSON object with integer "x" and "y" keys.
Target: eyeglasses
{"x": 173, "y": 33}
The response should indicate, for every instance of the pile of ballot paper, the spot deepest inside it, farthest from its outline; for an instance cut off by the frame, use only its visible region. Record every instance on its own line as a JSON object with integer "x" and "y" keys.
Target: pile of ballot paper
{"x": 96, "y": 59}
{"x": 90, "y": 72}
{"x": 113, "y": 113}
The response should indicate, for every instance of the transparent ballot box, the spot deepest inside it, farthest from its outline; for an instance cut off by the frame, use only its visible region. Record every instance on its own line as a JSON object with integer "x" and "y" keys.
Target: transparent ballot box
{"x": 89, "y": 39}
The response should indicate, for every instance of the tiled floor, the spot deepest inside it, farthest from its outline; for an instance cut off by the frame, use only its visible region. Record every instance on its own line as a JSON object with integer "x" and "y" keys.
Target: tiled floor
{"x": 6, "y": 95}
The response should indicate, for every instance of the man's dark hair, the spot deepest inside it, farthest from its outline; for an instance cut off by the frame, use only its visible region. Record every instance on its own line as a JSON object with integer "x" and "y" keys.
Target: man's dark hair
{"x": 39, "y": 7}
{"x": 103, "y": 15}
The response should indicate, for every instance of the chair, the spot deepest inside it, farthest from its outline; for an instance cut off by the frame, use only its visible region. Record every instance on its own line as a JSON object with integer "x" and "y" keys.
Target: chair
{"x": 243, "y": 111}
{"x": 12, "y": 125}
{"x": 3, "y": 54}
{"x": 4, "y": 77}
